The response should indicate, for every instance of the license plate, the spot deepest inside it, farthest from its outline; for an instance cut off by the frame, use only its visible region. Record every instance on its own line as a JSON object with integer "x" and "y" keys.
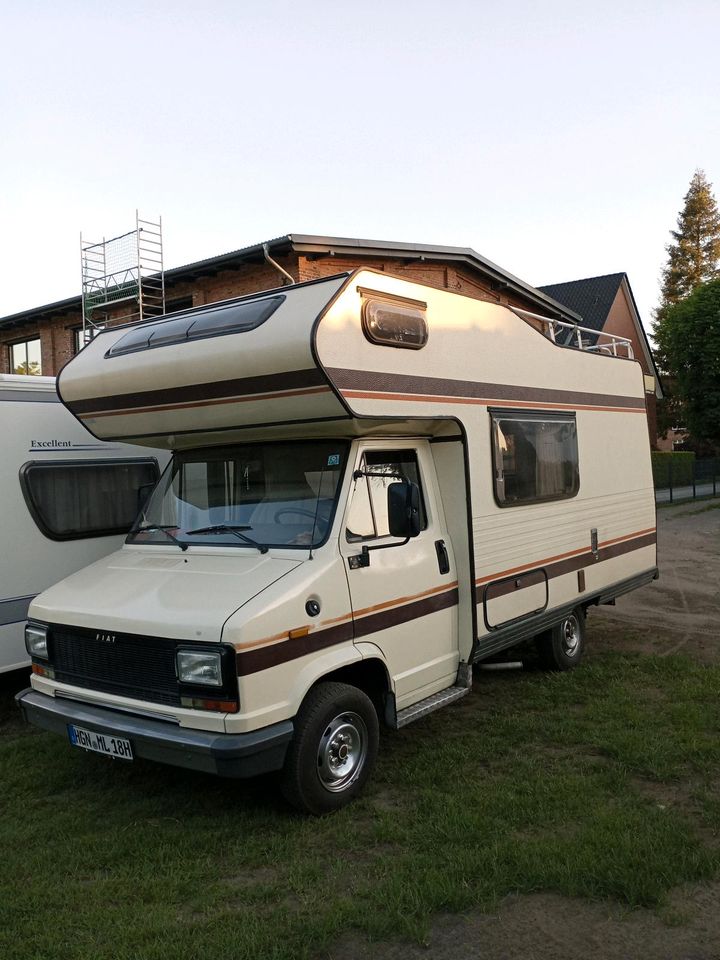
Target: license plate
{"x": 100, "y": 743}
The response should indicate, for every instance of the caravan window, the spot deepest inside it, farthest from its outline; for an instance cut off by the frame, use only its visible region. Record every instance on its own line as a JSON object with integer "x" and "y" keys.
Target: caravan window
{"x": 78, "y": 500}
{"x": 535, "y": 456}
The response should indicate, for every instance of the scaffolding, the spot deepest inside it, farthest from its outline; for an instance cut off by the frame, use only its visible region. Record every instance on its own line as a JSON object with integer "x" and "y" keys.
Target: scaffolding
{"x": 122, "y": 278}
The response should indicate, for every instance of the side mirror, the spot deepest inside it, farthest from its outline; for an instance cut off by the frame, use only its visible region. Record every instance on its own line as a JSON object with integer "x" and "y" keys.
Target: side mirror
{"x": 404, "y": 509}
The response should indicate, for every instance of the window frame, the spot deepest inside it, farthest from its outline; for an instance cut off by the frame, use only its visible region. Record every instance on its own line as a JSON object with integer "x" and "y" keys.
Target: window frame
{"x": 267, "y": 306}
{"x": 198, "y": 455}
{"x": 19, "y": 343}
{"x": 77, "y": 333}
{"x": 540, "y": 416}
{"x": 421, "y": 485}
{"x": 374, "y": 299}
{"x": 37, "y": 515}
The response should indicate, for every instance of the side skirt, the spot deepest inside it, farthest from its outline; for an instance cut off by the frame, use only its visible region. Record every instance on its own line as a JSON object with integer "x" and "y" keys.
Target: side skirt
{"x": 530, "y": 627}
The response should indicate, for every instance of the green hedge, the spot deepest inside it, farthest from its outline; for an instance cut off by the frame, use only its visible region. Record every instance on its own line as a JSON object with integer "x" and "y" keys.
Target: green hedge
{"x": 680, "y": 462}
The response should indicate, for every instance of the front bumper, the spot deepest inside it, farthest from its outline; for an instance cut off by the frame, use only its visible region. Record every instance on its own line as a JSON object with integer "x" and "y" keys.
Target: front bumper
{"x": 226, "y": 754}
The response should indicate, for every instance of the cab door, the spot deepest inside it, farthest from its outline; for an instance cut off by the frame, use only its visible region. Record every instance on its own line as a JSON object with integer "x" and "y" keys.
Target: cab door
{"x": 404, "y": 595}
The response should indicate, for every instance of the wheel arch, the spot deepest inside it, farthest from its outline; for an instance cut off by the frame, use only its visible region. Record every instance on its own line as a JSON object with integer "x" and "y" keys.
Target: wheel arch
{"x": 369, "y": 675}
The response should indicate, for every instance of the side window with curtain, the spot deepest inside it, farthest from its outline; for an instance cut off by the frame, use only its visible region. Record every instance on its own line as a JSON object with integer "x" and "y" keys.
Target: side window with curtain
{"x": 81, "y": 499}
{"x": 535, "y": 456}
{"x": 367, "y": 516}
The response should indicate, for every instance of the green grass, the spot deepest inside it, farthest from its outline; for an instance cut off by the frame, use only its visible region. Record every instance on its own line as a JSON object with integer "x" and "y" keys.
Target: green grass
{"x": 601, "y": 783}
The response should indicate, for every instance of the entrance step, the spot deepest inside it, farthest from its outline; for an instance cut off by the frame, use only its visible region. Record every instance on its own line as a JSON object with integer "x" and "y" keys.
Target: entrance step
{"x": 423, "y": 707}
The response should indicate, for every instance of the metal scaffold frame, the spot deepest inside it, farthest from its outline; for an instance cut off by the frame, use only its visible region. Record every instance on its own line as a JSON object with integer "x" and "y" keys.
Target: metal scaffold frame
{"x": 123, "y": 278}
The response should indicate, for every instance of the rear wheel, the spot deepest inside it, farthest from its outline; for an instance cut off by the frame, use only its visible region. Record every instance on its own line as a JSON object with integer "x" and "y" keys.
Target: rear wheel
{"x": 562, "y": 647}
{"x": 333, "y": 751}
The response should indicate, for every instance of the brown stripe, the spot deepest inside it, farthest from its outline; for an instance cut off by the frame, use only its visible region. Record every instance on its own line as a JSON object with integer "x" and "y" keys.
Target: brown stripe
{"x": 194, "y": 404}
{"x": 561, "y": 556}
{"x": 396, "y": 601}
{"x": 251, "y": 661}
{"x": 584, "y": 559}
{"x": 438, "y": 388}
{"x": 198, "y": 392}
{"x": 410, "y": 611}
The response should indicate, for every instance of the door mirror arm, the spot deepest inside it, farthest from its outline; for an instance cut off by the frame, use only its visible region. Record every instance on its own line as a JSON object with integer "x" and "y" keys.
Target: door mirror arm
{"x": 403, "y": 515}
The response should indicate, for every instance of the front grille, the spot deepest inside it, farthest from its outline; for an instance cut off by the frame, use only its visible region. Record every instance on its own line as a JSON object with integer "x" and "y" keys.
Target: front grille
{"x": 129, "y": 665}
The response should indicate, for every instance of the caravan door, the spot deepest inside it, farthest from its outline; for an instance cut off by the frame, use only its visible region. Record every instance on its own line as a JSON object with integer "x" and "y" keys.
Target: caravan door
{"x": 405, "y": 598}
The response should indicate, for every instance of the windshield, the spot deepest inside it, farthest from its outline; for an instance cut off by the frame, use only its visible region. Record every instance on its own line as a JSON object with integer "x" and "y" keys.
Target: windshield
{"x": 252, "y": 495}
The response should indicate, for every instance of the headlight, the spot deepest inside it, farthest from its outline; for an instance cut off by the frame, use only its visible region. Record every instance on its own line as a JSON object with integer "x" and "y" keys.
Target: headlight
{"x": 196, "y": 666}
{"x": 36, "y": 640}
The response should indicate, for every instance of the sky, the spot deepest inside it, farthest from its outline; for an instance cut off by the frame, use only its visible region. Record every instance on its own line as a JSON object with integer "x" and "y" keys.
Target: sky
{"x": 555, "y": 138}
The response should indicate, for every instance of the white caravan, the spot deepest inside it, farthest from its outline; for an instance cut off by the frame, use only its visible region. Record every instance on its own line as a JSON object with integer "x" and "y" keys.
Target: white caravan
{"x": 375, "y": 485}
{"x": 67, "y": 499}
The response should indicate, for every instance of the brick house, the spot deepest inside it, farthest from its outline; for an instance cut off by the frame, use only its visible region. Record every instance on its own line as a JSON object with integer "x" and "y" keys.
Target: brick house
{"x": 607, "y": 304}
{"x": 44, "y": 338}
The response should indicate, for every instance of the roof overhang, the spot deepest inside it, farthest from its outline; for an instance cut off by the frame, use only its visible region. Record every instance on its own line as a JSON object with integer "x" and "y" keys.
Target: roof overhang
{"x": 642, "y": 336}
{"x": 315, "y": 246}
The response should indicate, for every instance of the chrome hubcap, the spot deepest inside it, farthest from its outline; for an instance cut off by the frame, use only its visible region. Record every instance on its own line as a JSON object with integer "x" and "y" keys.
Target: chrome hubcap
{"x": 570, "y": 636}
{"x": 342, "y": 751}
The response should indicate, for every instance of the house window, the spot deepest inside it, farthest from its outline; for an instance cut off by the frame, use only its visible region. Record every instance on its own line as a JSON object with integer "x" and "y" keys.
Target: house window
{"x": 25, "y": 357}
{"x": 72, "y": 501}
{"x": 180, "y": 303}
{"x": 81, "y": 338}
{"x": 535, "y": 457}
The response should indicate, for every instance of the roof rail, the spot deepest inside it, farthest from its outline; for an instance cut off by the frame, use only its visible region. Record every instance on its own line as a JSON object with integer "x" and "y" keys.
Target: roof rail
{"x": 610, "y": 348}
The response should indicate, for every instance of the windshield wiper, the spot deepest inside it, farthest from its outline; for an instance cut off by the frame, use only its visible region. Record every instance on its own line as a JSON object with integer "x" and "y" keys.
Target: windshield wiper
{"x": 152, "y": 527}
{"x": 233, "y": 528}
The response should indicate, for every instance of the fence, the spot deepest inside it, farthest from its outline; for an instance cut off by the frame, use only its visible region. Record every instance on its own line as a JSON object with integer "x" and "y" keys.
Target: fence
{"x": 686, "y": 480}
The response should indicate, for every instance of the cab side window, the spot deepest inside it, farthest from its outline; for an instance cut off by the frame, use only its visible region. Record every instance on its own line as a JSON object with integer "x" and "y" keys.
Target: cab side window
{"x": 367, "y": 517}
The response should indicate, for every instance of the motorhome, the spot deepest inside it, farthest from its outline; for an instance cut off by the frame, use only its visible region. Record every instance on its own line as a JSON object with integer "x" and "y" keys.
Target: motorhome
{"x": 67, "y": 499}
{"x": 375, "y": 485}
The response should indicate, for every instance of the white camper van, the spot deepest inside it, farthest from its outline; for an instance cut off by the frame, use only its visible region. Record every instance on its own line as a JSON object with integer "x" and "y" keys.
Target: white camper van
{"x": 67, "y": 499}
{"x": 374, "y": 485}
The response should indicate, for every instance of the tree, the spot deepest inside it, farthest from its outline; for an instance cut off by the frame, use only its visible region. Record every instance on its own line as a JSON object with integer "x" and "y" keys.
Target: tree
{"x": 693, "y": 259}
{"x": 689, "y": 340}
{"x": 29, "y": 369}
{"x": 694, "y": 255}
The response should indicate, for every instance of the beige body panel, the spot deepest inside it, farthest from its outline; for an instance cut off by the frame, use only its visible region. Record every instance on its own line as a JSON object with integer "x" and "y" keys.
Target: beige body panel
{"x": 158, "y": 396}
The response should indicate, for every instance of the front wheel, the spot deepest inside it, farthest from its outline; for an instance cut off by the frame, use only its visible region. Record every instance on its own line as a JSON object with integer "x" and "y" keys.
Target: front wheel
{"x": 562, "y": 647}
{"x": 333, "y": 751}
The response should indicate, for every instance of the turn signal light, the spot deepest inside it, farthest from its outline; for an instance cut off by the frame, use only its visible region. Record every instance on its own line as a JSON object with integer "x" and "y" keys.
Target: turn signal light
{"x": 43, "y": 671}
{"x": 200, "y": 703}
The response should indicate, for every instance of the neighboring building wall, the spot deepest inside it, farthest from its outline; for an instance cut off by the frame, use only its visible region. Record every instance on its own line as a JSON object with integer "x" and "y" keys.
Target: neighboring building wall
{"x": 57, "y": 337}
{"x": 56, "y": 341}
{"x": 442, "y": 276}
{"x": 57, "y": 333}
{"x": 620, "y": 323}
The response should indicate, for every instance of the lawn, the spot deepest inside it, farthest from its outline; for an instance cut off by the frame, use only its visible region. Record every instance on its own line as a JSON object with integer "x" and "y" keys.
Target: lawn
{"x": 600, "y": 783}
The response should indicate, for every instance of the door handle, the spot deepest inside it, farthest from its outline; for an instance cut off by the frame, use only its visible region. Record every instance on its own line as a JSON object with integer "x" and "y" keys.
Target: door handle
{"x": 442, "y": 555}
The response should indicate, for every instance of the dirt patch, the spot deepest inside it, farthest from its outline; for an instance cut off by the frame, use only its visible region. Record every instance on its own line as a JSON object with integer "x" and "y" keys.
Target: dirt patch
{"x": 549, "y": 927}
{"x": 680, "y": 612}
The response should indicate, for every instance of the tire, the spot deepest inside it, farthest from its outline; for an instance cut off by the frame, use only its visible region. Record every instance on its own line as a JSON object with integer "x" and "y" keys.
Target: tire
{"x": 333, "y": 751}
{"x": 562, "y": 647}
